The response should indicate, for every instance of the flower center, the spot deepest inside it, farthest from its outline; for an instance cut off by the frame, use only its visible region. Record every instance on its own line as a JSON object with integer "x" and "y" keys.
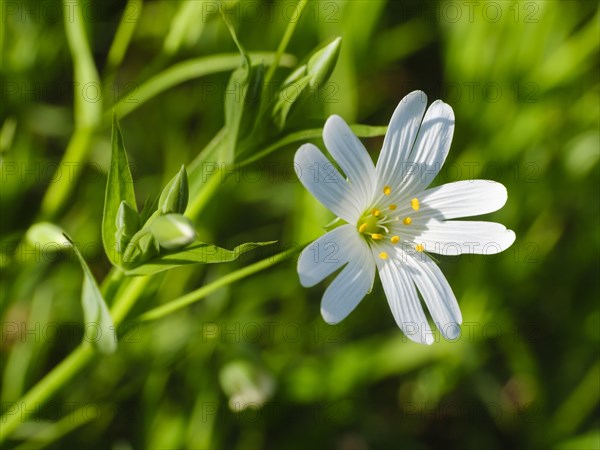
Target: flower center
{"x": 379, "y": 223}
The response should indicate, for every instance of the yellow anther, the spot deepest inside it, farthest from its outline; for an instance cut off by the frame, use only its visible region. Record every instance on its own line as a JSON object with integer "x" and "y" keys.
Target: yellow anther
{"x": 377, "y": 236}
{"x": 387, "y": 190}
{"x": 414, "y": 203}
{"x": 383, "y": 255}
{"x": 393, "y": 207}
{"x": 395, "y": 239}
{"x": 420, "y": 248}
{"x": 362, "y": 228}
{"x": 407, "y": 221}
{"x": 376, "y": 212}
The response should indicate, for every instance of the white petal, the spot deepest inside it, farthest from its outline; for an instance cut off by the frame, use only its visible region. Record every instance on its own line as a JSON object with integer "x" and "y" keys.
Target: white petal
{"x": 399, "y": 139}
{"x": 430, "y": 149}
{"x": 326, "y": 255}
{"x": 403, "y": 299}
{"x": 322, "y": 180}
{"x": 351, "y": 285}
{"x": 462, "y": 199}
{"x": 352, "y": 157}
{"x": 437, "y": 293}
{"x": 455, "y": 237}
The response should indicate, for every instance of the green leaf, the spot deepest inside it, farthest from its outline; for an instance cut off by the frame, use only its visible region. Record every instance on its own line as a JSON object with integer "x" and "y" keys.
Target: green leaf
{"x": 184, "y": 71}
{"x": 94, "y": 308}
{"x": 242, "y": 98}
{"x": 119, "y": 187}
{"x": 198, "y": 252}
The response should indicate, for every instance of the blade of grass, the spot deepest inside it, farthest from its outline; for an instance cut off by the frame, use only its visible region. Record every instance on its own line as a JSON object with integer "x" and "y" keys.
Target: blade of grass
{"x": 313, "y": 133}
{"x": 199, "y": 294}
{"x": 185, "y": 71}
{"x": 289, "y": 31}
{"x": 131, "y": 16}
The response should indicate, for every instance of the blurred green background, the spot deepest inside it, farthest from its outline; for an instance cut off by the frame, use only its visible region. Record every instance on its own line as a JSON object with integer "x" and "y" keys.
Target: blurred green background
{"x": 523, "y": 79}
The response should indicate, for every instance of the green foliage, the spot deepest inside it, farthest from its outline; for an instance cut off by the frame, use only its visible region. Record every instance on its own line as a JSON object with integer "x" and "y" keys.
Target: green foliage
{"x": 119, "y": 188}
{"x": 95, "y": 310}
{"x": 198, "y": 338}
{"x": 196, "y": 252}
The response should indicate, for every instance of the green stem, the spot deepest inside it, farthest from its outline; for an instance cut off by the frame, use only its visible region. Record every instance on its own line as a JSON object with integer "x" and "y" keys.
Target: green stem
{"x": 70, "y": 366}
{"x": 129, "y": 20}
{"x": 58, "y": 192}
{"x": 202, "y": 198}
{"x": 285, "y": 40}
{"x": 46, "y": 387}
{"x": 202, "y": 292}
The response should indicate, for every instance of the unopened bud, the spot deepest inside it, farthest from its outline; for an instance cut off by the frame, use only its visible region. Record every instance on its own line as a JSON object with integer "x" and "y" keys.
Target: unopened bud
{"x": 174, "y": 197}
{"x": 44, "y": 233}
{"x": 173, "y": 231}
{"x": 321, "y": 64}
{"x": 127, "y": 223}
{"x": 142, "y": 247}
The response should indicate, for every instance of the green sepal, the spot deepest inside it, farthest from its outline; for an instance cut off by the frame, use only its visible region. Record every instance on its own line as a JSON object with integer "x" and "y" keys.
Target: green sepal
{"x": 175, "y": 195}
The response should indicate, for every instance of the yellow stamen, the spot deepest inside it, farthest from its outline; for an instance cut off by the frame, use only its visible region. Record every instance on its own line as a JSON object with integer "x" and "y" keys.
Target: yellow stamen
{"x": 377, "y": 236}
{"x": 387, "y": 190}
{"x": 362, "y": 228}
{"x": 393, "y": 207}
{"x": 395, "y": 240}
{"x": 376, "y": 212}
{"x": 420, "y": 248}
{"x": 407, "y": 221}
{"x": 414, "y": 203}
{"x": 383, "y": 255}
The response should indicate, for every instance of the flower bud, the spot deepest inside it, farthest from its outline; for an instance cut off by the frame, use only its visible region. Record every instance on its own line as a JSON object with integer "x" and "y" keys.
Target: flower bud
{"x": 142, "y": 247}
{"x": 128, "y": 223}
{"x": 48, "y": 236}
{"x": 321, "y": 64}
{"x": 173, "y": 231}
{"x": 174, "y": 197}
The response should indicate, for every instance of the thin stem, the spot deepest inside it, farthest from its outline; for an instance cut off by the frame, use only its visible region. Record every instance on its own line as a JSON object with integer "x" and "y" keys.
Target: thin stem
{"x": 205, "y": 194}
{"x": 131, "y": 293}
{"x": 57, "y": 193}
{"x": 289, "y": 31}
{"x": 71, "y": 365}
{"x": 46, "y": 387}
{"x": 129, "y": 20}
{"x": 198, "y": 294}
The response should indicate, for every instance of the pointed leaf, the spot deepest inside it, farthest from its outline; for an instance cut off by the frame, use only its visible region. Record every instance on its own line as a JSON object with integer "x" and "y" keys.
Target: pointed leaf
{"x": 95, "y": 310}
{"x": 119, "y": 187}
{"x": 198, "y": 252}
{"x": 243, "y": 99}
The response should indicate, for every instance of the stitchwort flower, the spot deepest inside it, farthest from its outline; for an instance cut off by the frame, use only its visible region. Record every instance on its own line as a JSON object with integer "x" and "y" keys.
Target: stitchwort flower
{"x": 391, "y": 220}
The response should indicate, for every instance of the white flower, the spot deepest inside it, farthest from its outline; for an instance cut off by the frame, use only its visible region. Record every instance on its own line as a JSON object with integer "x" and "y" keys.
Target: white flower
{"x": 393, "y": 220}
